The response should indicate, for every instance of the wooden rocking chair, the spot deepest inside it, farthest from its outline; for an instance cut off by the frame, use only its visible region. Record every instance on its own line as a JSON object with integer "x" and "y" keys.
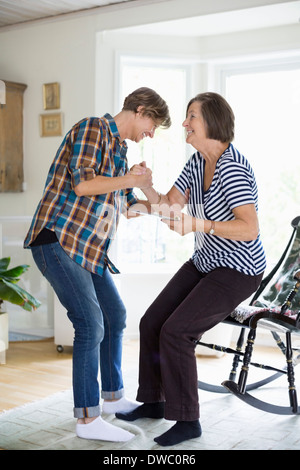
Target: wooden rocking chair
{"x": 274, "y": 306}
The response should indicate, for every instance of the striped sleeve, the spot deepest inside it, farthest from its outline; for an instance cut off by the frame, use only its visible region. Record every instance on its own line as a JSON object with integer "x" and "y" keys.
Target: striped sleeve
{"x": 183, "y": 182}
{"x": 238, "y": 184}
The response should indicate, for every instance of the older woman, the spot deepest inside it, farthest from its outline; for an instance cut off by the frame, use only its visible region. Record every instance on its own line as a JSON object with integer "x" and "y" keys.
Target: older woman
{"x": 226, "y": 267}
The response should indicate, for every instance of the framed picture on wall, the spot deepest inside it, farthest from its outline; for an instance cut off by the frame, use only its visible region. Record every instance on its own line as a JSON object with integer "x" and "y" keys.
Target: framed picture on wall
{"x": 51, "y": 95}
{"x": 51, "y": 124}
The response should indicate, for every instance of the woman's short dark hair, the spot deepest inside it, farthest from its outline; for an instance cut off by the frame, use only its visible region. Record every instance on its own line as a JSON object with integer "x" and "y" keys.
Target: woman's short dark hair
{"x": 153, "y": 106}
{"x": 217, "y": 114}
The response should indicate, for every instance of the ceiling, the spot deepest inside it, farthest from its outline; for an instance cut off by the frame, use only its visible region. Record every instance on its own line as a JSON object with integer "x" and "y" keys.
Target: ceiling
{"x": 14, "y": 12}
{"x": 247, "y": 19}
{"x": 19, "y": 11}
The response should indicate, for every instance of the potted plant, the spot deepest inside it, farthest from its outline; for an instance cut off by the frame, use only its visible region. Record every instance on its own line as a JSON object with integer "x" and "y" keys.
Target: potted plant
{"x": 13, "y": 293}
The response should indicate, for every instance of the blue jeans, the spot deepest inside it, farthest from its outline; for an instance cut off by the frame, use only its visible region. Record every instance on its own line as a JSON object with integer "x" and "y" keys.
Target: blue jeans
{"x": 98, "y": 316}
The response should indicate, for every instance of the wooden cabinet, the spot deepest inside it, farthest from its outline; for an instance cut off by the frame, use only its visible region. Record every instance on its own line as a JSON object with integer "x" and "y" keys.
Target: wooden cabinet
{"x": 11, "y": 138}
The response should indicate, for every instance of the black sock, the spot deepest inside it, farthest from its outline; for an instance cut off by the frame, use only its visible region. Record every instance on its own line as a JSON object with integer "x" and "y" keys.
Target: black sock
{"x": 147, "y": 410}
{"x": 181, "y": 431}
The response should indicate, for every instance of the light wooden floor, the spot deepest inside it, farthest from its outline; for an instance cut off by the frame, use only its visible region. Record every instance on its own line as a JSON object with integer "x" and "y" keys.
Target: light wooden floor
{"x": 33, "y": 370}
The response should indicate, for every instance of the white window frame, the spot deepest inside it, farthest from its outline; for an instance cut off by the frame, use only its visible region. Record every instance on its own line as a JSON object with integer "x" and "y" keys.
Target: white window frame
{"x": 219, "y": 72}
{"x": 123, "y": 58}
{"x": 149, "y": 60}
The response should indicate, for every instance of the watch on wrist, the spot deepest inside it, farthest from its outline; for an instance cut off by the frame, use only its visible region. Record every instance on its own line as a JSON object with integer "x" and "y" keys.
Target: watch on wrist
{"x": 212, "y": 227}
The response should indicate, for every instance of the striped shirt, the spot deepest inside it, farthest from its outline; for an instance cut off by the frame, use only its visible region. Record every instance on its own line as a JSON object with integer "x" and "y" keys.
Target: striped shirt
{"x": 84, "y": 225}
{"x": 233, "y": 185}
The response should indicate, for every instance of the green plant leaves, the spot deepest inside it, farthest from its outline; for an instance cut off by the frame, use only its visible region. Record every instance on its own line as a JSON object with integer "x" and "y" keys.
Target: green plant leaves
{"x": 10, "y": 291}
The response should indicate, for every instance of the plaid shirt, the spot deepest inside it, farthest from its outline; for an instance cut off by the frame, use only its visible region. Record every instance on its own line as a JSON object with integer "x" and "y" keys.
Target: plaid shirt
{"x": 84, "y": 225}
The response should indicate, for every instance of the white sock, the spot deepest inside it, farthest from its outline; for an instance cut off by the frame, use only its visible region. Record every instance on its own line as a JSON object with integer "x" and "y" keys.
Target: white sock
{"x": 119, "y": 406}
{"x": 102, "y": 431}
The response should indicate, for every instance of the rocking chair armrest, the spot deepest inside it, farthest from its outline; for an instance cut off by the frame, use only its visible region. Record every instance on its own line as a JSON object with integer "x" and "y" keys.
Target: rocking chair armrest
{"x": 297, "y": 275}
{"x": 295, "y": 222}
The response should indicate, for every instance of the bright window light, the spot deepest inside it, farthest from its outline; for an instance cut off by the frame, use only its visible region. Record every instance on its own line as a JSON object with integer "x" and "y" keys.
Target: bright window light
{"x": 146, "y": 240}
{"x": 266, "y": 106}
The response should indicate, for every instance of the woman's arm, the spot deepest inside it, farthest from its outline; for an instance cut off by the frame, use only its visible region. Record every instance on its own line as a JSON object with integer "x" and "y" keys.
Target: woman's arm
{"x": 244, "y": 227}
{"x": 174, "y": 199}
{"x": 104, "y": 184}
{"x": 154, "y": 197}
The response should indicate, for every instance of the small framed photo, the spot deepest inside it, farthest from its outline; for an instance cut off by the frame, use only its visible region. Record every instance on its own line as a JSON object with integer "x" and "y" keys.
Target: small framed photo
{"x": 51, "y": 124}
{"x": 51, "y": 95}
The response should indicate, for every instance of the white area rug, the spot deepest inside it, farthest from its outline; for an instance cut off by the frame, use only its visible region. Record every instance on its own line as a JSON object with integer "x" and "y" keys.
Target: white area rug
{"x": 49, "y": 425}
{"x": 227, "y": 423}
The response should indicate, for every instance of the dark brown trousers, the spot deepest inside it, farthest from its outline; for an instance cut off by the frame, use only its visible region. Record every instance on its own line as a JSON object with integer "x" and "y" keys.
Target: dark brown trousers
{"x": 190, "y": 304}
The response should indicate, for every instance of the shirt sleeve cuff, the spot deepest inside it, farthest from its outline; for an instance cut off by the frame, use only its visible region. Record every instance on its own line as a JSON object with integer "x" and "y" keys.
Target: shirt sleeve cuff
{"x": 82, "y": 174}
{"x": 180, "y": 188}
{"x": 131, "y": 199}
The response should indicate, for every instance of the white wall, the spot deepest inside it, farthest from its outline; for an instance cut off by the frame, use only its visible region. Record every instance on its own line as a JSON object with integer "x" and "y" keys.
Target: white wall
{"x": 62, "y": 52}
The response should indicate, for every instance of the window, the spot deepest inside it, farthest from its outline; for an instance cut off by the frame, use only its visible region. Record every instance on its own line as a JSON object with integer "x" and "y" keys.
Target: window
{"x": 266, "y": 104}
{"x": 146, "y": 240}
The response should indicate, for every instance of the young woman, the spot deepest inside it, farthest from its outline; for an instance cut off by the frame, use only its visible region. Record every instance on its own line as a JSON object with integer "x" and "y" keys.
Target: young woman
{"x": 87, "y": 188}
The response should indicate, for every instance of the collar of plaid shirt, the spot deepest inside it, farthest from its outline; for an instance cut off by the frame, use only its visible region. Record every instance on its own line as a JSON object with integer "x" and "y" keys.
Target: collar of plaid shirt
{"x": 84, "y": 226}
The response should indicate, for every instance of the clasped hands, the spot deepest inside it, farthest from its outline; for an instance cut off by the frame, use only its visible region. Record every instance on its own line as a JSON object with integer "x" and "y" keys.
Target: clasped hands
{"x": 170, "y": 214}
{"x": 144, "y": 175}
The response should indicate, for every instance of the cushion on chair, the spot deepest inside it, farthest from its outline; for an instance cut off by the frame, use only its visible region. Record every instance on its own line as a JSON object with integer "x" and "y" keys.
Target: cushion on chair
{"x": 243, "y": 312}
